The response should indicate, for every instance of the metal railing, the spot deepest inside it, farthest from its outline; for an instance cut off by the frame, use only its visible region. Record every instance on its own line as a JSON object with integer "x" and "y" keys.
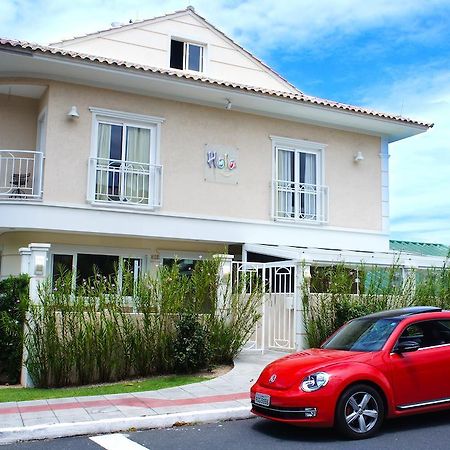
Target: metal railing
{"x": 300, "y": 201}
{"x": 21, "y": 174}
{"x": 125, "y": 182}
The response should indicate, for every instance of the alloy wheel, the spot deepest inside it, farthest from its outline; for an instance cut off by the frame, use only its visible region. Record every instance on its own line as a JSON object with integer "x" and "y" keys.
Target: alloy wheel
{"x": 361, "y": 412}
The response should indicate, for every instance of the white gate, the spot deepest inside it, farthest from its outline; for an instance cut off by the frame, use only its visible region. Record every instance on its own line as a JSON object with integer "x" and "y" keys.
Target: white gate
{"x": 276, "y": 330}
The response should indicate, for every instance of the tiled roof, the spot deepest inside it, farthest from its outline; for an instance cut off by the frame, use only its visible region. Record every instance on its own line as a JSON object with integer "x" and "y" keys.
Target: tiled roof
{"x": 299, "y": 97}
{"x": 420, "y": 248}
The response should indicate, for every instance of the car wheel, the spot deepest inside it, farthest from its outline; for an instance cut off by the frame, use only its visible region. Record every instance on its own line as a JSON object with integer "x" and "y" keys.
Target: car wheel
{"x": 359, "y": 412}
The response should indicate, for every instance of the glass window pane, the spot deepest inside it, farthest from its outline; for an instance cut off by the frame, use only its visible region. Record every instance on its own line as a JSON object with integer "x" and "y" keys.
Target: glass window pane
{"x": 115, "y": 151}
{"x": 88, "y": 265}
{"x": 176, "y": 54}
{"x": 186, "y": 265}
{"x": 131, "y": 269}
{"x": 307, "y": 168}
{"x": 195, "y": 58}
{"x": 62, "y": 264}
{"x": 286, "y": 188}
{"x": 362, "y": 335}
{"x": 138, "y": 145}
{"x": 285, "y": 165}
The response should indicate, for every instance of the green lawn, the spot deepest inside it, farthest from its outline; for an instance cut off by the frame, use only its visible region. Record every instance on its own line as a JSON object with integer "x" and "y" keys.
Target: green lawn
{"x": 16, "y": 394}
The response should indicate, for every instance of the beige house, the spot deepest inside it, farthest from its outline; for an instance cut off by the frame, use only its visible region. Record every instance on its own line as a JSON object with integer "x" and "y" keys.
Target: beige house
{"x": 164, "y": 139}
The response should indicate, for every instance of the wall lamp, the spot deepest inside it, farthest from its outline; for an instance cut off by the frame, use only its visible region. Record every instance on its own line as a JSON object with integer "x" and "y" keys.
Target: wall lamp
{"x": 358, "y": 157}
{"x": 228, "y": 105}
{"x": 73, "y": 113}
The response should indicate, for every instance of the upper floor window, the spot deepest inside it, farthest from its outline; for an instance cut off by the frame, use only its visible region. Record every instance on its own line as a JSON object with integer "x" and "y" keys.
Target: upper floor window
{"x": 298, "y": 191}
{"x": 186, "y": 56}
{"x": 123, "y": 167}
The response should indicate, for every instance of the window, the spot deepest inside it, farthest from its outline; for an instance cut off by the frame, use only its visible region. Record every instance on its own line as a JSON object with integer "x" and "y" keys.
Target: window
{"x": 124, "y": 155}
{"x": 428, "y": 334}
{"x": 186, "y": 266}
{"x": 186, "y": 56}
{"x": 62, "y": 265}
{"x": 88, "y": 265}
{"x": 298, "y": 193}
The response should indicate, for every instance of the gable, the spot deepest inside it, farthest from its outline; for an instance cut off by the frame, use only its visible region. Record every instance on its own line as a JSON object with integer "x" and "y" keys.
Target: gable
{"x": 149, "y": 42}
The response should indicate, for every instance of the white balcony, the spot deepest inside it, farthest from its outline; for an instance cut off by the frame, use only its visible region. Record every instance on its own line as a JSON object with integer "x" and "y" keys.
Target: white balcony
{"x": 300, "y": 202}
{"x": 124, "y": 182}
{"x": 21, "y": 174}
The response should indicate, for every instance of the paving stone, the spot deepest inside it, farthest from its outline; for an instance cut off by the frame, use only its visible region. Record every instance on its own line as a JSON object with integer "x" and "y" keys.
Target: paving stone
{"x": 11, "y": 421}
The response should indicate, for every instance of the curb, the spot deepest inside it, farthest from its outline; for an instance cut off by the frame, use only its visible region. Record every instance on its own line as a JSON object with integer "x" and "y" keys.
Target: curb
{"x": 104, "y": 426}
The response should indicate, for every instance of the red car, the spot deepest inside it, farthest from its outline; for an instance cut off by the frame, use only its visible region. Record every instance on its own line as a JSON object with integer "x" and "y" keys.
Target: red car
{"x": 384, "y": 365}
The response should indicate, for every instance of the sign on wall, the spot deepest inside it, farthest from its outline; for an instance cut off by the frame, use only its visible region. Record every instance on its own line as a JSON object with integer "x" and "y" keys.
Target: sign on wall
{"x": 221, "y": 164}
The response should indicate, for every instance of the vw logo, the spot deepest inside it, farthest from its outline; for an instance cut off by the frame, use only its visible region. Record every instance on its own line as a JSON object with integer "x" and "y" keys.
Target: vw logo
{"x": 272, "y": 378}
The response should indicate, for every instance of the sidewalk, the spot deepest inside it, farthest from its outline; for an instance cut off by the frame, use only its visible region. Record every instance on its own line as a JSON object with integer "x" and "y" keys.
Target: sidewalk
{"x": 225, "y": 397}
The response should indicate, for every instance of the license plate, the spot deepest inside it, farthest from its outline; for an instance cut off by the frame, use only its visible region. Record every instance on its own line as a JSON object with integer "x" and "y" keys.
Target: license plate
{"x": 262, "y": 399}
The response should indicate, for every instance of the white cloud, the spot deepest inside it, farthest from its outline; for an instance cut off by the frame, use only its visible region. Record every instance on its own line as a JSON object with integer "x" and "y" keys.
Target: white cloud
{"x": 420, "y": 166}
{"x": 261, "y": 25}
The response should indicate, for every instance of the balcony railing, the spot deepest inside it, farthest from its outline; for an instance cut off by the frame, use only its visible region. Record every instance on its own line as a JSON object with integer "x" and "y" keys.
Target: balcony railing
{"x": 21, "y": 174}
{"x": 300, "y": 202}
{"x": 125, "y": 182}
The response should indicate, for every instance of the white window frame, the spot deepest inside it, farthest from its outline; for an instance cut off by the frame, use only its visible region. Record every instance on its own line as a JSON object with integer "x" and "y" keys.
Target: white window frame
{"x": 297, "y": 146}
{"x": 124, "y": 119}
{"x": 75, "y": 250}
{"x": 173, "y": 254}
{"x": 186, "y": 43}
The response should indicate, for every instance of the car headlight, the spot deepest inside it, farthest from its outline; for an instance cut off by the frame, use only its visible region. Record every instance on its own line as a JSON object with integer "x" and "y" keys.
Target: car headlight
{"x": 315, "y": 381}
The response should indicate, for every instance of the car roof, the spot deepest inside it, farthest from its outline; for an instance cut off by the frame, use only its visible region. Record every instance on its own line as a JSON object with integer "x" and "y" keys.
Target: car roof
{"x": 402, "y": 313}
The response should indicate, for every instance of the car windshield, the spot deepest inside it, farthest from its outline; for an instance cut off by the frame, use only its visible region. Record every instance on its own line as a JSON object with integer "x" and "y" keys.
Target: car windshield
{"x": 362, "y": 335}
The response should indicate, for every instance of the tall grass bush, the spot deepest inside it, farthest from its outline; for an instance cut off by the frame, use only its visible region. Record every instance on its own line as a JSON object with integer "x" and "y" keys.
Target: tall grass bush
{"x": 105, "y": 330}
{"x": 380, "y": 288}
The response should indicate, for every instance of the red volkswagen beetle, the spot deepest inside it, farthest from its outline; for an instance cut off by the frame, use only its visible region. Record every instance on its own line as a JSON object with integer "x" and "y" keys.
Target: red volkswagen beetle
{"x": 384, "y": 365}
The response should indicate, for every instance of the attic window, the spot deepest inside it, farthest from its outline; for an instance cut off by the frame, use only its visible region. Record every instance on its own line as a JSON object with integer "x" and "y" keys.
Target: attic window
{"x": 186, "y": 56}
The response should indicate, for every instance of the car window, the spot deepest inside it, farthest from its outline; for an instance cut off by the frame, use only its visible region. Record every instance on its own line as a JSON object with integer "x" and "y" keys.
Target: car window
{"x": 362, "y": 335}
{"x": 427, "y": 334}
{"x": 444, "y": 329}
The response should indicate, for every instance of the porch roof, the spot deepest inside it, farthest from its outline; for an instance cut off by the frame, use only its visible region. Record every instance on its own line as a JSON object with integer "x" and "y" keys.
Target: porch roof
{"x": 420, "y": 248}
{"x": 319, "y": 256}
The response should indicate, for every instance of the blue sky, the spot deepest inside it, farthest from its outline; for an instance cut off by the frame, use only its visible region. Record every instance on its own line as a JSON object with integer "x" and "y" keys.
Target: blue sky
{"x": 388, "y": 55}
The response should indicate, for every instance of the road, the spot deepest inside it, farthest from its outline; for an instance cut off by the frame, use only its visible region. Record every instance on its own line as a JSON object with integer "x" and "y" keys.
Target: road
{"x": 431, "y": 431}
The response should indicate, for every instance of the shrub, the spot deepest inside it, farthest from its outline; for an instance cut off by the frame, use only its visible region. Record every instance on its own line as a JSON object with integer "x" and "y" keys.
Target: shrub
{"x": 380, "y": 288}
{"x": 13, "y": 305}
{"x": 233, "y": 321}
{"x": 191, "y": 350}
{"x": 178, "y": 323}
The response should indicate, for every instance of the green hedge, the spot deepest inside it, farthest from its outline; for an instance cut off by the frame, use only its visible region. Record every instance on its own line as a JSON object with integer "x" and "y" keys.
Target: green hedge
{"x": 172, "y": 323}
{"x": 329, "y": 300}
{"x": 13, "y": 305}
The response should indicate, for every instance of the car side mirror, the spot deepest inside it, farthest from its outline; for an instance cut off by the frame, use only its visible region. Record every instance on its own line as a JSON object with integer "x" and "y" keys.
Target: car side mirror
{"x": 406, "y": 347}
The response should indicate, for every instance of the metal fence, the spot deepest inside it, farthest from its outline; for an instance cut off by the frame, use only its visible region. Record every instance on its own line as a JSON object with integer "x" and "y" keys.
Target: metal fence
{"x": 21, "y": 174}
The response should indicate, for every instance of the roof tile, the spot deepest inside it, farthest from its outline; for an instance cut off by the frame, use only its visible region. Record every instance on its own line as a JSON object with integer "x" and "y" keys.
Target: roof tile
{"x": 300, "y": 97}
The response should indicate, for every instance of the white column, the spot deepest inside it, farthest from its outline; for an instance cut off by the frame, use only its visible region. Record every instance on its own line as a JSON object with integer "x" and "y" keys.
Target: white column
{"x": 34, "y": 262}
{"x": 384, "y": 157}
{"x": 224, "y": 273}
{"x": 303, "y": 274}
{"x": 25, "y": 256}
{"x": 38, "y": 267}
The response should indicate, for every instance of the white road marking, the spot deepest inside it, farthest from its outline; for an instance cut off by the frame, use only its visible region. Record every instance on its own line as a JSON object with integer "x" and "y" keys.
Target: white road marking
{"x": 116, "y": 442}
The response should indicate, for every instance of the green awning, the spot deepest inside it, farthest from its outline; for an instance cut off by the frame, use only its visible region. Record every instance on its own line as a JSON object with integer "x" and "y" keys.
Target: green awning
{"x": 420, "y": 248}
